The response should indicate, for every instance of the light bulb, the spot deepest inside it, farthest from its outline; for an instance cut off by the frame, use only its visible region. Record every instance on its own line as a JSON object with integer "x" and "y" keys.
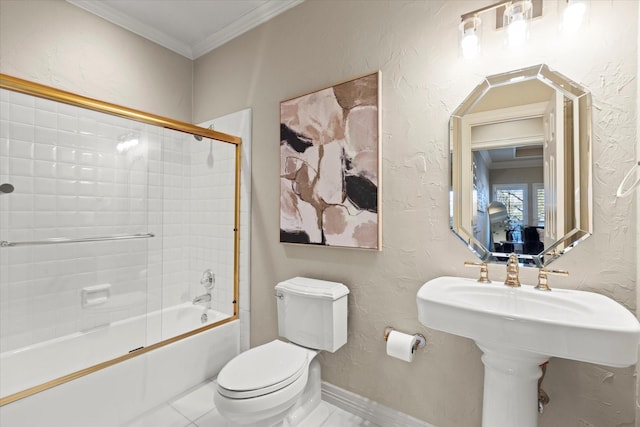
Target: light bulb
{"x": 469, "y": 39}
{"x": 516, "y": 18}
{"x": 517, "y": 31}
{"x": 573, "y": 16}
{"x": 469, "y": 45}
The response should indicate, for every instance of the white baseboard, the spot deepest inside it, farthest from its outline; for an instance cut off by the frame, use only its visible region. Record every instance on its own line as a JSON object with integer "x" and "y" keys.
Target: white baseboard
{"x": 368, "y": 409}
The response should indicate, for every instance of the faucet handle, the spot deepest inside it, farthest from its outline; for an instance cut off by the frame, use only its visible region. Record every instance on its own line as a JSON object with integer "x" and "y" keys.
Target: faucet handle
{"x": 543, "y": 281}
{"x": 484, "y": 270}
{"x": 208, "y": 279}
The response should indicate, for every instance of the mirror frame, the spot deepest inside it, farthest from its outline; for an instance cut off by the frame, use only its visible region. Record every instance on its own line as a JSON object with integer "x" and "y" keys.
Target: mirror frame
{"x": 580, "y": 200}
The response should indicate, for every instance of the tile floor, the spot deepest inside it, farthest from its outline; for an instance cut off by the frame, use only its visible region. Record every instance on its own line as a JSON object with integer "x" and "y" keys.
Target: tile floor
{"x": 195, "y": 408}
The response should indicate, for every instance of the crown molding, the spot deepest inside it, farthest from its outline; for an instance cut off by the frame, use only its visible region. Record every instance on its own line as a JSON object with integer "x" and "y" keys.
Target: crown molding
{"x": 134, "y": 25}
{"x": 247, "y": 22}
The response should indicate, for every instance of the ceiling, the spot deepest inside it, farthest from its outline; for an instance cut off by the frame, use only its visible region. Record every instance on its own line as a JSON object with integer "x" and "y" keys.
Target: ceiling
{"x": 191, "y": 28}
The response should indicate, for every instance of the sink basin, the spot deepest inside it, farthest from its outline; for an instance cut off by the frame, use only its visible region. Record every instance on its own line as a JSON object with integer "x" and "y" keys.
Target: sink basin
{"x": 571, "y": 324}
{"x": 518, "y": 329}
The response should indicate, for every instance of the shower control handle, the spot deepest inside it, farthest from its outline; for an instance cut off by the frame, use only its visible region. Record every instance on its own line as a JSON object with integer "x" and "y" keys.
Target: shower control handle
{"x": 208, "y": 279}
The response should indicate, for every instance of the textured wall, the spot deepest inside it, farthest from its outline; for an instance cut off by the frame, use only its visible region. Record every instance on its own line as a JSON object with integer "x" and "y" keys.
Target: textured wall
{"x": 60, "y": 45}
{"x": 638, "y": 220}
{"x": 423, "y": 79}
{"x": 414, "y": 44}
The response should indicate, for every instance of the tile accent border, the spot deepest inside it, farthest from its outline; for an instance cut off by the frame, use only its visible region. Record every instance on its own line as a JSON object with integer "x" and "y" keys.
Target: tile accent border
{"x": 368, "y": 409}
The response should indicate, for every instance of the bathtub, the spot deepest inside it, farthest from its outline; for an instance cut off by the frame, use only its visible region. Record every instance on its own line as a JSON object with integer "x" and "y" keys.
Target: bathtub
{"x": 119, "y": 392}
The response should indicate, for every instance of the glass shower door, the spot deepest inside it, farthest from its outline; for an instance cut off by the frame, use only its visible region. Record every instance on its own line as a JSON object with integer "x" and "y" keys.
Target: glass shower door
{"x": 74, "y": 237}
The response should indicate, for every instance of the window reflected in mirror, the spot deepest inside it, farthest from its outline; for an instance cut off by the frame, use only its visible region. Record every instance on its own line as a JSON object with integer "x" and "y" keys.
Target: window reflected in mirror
{"x": 511, "y": 180}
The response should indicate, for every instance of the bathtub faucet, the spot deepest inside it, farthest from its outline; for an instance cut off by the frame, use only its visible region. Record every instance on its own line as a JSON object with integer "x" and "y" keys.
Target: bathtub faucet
{"x": 208, "y": 280}
{"x": 206, "y": 298}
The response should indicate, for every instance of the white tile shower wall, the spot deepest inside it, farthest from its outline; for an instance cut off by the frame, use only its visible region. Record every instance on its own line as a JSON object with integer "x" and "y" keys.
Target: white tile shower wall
{"x": 197, "y": 220}
{"x": 240, "y": 123}
{"x": 171, "y": 265}
{"x": 71, "y": 181}
{"x": 211, "y": 219}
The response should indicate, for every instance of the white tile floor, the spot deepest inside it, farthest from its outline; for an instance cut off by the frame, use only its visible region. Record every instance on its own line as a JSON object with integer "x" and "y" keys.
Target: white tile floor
{"x": 195, "y": 408}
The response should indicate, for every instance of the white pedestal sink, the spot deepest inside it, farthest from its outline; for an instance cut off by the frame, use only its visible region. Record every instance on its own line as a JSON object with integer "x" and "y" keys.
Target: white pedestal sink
{"x": 517, "y": 329}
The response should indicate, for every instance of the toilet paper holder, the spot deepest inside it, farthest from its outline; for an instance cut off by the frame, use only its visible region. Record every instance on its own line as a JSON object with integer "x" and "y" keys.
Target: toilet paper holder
{"x": 421, "y": 341}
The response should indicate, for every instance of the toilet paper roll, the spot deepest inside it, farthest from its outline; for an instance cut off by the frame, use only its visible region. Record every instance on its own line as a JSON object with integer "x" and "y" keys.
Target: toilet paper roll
{"x": 400, "y": 345}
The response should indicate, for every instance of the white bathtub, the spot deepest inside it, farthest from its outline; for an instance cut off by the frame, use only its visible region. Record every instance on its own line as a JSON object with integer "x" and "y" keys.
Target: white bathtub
{"x": 113, "y": 395}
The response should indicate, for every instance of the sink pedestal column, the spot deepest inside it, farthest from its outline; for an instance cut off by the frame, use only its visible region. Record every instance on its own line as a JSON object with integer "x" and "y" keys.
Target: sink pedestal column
{"x": 510, "y": 387}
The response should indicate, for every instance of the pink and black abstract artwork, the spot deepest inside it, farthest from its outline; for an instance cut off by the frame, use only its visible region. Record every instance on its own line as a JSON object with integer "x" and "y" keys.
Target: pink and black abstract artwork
{"x": 330, "y": 166}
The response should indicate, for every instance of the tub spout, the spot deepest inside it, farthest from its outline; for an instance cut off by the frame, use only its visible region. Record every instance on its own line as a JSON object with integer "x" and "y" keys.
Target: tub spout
{"x": 206, "y": 298}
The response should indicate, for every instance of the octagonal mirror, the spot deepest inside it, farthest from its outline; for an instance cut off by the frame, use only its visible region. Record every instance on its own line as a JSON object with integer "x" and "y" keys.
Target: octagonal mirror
{"x": 521, "y": 167}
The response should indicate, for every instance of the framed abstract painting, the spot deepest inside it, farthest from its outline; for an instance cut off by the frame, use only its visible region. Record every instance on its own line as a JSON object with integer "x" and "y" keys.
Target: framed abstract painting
{"x": 330, "y": 166}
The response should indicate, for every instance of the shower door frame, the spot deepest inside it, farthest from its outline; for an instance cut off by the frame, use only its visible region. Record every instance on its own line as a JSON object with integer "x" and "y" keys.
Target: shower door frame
{"x": 42, "y": 91}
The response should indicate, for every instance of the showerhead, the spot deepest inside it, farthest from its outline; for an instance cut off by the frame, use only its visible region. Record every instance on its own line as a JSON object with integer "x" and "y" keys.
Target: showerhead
{"x": 198, "y": 137}
{"x": 210, "y": 156}
{"x": 6, "y": 188}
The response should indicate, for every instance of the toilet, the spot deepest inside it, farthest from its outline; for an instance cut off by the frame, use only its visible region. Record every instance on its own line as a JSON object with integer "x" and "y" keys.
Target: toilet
{"x": 278, "y": 383}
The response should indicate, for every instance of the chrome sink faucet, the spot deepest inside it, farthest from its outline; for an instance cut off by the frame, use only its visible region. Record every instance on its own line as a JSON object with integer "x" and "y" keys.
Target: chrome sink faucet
{"x": 513, "y": 272}
{"x": 208, "y": 280}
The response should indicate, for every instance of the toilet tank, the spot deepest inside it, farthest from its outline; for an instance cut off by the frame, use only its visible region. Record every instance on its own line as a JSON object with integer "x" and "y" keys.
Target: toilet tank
{"x": 312, "y": 313}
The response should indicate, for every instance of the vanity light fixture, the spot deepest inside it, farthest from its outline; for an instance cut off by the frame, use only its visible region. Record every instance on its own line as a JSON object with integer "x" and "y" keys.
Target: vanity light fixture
{"x": 513, "y": 15}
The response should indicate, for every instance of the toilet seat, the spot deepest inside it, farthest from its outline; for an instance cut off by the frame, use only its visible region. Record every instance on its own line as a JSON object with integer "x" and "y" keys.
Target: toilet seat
{"x": 263, "y": 370}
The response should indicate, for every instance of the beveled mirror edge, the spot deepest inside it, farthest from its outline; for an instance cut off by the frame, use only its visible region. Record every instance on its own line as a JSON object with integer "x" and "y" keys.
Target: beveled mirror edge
{"x": 582, "y": 99}
{"x": 584, "y": 222}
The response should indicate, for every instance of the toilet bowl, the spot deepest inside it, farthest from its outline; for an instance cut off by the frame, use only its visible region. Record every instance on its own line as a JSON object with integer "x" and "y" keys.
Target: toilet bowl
{"x": 280, "y": 381}
{"x": 261, "y": 385}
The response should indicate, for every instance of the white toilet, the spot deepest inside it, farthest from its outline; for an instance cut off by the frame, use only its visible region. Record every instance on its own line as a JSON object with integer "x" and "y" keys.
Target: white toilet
{"x": 279, "y": 382}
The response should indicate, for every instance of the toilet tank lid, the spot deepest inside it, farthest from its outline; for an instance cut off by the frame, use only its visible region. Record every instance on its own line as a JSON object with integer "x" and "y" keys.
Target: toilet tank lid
{"x": 313, "y": 288}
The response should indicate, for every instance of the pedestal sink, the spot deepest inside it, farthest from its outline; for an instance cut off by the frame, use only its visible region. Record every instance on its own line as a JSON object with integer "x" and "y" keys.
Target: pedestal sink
{"x": 517, "y": 329}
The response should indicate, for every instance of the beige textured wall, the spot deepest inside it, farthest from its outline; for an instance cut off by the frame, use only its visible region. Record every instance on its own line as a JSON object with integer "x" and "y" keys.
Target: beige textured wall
{"x": 60, "y": 45}
{"x": 638, "y": 224}
{"x": 414, "y": 43}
